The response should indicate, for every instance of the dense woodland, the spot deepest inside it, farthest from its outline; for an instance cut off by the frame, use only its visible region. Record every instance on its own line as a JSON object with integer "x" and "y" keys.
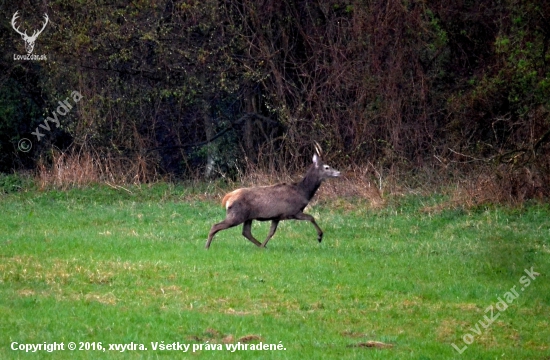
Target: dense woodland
{"x": 208, "y": 88}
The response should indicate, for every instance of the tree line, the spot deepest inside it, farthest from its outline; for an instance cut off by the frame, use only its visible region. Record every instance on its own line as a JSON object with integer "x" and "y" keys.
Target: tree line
{"x": 200, "y": 87}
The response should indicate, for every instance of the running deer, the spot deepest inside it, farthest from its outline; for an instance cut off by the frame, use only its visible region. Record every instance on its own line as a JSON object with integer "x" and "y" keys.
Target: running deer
{"x": 275, "y": 203}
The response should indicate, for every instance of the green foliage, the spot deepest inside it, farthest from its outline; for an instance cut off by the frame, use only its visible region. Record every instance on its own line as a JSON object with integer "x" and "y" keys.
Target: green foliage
{"x": 525, "y": 61}
{"x": 502, "y": 104}
{"x": 110, "y": 266}
{"x": 10, "y": 183}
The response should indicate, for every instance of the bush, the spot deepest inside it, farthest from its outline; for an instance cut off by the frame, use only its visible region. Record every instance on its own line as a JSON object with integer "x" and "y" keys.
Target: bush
{"x": 11, "y": 183}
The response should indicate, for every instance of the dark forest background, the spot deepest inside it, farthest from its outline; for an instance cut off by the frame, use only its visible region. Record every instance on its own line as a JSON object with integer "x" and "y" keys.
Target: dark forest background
{"x": 199, "y": 89}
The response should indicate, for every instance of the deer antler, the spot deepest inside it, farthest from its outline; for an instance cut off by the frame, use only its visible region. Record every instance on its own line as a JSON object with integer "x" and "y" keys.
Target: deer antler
{"x": 318, "y": 149}
{"x": 17, "y": 28}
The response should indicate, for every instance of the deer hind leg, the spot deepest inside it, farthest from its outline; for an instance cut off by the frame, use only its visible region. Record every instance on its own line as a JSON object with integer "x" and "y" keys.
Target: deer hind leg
{"x": 302, "y": 216}
{"x": 218, "y": 227}
{"x": 272, "y": 230}
{"x": 247, "y": 233}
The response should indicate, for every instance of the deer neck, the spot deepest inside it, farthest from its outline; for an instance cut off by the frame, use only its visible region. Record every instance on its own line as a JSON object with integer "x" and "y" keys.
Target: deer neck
{"x": 310, "y": 183}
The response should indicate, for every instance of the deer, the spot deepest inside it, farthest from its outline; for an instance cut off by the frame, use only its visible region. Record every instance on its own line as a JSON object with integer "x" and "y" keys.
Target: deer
{"x": 29, "y": 40}
{"x": 275, "y": 203}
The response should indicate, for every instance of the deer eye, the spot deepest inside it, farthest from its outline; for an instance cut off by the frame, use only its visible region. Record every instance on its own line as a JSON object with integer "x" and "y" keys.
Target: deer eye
{"x": 326, "y": 167}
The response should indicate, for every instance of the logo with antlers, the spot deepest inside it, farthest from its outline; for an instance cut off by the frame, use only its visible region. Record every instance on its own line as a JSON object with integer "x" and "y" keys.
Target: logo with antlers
{"x": 29, "y": 40}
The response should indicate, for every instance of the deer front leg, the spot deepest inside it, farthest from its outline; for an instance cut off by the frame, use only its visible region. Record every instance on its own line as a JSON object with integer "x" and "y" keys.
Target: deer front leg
{"x": 215, "y": 228}
{"x": 247, "y": 233}
{"x": 272, "y": 230}
{"x": 302, "y": 216}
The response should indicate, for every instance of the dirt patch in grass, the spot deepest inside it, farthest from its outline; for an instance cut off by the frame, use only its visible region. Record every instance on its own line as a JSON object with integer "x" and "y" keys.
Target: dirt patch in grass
{"x": 372, "y": 344}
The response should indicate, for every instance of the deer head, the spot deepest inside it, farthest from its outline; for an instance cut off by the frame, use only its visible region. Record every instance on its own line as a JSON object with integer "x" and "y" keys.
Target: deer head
{"x": 323, "y": 171}
{"x": 29, "y": 40}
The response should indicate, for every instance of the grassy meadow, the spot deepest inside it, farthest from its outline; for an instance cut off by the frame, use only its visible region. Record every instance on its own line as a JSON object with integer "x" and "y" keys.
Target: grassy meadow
{"x": 402, "y": 282}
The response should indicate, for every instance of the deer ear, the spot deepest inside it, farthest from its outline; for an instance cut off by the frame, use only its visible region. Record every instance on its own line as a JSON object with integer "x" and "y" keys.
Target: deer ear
{"x": 316, "y": 160}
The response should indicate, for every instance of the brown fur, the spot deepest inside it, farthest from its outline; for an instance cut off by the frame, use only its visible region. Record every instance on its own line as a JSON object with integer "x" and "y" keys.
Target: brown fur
{"x": 275, "y": 203}
{"x": 226, "y": 198}
{"x": 229, "y": 198}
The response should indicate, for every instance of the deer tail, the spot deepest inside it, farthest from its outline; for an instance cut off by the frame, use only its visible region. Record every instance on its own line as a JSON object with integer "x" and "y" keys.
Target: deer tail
{"x": 231, "y": 197}
{"x": 226, "y": 198}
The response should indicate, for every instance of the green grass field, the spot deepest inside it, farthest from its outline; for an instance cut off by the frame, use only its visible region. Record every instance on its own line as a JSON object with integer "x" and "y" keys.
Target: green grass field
{"x": 106, "y": 266}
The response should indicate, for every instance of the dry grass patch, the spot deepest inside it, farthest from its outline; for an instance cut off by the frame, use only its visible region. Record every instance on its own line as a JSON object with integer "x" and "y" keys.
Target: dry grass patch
{"x": 504, "y": 184}
{"x": 26, "y": 292}
{"x": 82, "y": 167}
{"x": 105, "y": 299}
